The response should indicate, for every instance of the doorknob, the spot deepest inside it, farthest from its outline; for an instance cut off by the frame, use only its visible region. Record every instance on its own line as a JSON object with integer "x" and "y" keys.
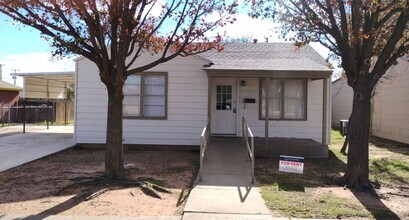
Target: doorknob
{"x": 234, "y": 110}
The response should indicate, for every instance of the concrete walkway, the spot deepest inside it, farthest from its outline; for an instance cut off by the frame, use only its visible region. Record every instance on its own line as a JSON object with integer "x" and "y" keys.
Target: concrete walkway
{"x": 226, "y": 191}
{"x": 20, "y": 148}
{"x": 64, "y": 217}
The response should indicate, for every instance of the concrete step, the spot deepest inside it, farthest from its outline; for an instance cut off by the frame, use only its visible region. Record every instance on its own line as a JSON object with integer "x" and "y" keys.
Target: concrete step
{"x": 213, "y": 216}
{"x": 226, "y": 199}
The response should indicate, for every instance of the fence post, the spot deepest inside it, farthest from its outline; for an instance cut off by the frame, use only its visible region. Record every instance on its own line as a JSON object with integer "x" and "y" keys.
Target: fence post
{"x": 9, "y": 113}
{"x": 53, "y": 113}
{"x": 36, "y": 113}
{"x": 24, "y": 116}
{"x": 2, "y": 114}
{"x": 48, "y": 114}
{"x": 65, "y": 111}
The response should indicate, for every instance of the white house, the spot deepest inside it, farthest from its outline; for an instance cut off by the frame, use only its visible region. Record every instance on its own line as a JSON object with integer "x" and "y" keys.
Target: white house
{"x": 171, "y": 103}
{"x": 390, "y": 105}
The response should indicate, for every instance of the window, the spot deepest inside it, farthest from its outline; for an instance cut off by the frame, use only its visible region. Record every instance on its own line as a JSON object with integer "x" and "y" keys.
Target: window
{"x": 145, "y": 96}
{"x": 287, "y": 99}
{"x": 224, "y": 97}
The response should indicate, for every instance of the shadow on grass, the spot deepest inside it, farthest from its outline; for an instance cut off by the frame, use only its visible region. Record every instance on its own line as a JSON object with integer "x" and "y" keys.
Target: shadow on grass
{"x": 318, "y": 173}
{"x": 391, "y": 170}
{"x": 393, "y": 146}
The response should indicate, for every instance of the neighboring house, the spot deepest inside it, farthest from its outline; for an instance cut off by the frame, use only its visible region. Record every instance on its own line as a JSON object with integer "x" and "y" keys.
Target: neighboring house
{"x": 390, "y": 104}
{"x": 9, "y": 93}
{"x": 342, "y": 95}
{"x": 9, "y": 96}
{"x": 171, "y": 103}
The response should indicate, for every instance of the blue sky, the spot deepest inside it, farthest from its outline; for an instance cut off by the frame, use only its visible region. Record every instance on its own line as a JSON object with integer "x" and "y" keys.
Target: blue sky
{"x": 22, "y": 48}
{"x": 24, "y": 40}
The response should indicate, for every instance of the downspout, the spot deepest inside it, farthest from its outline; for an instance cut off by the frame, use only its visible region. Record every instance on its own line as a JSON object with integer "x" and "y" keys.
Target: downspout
{"x": 324, "y": 110}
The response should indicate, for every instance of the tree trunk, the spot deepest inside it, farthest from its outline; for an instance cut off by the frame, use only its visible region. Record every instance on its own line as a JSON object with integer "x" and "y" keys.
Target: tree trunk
{"x": 345, "y": 145}
{"x": 114, "y": 163}
{"x": 357, "y": 173}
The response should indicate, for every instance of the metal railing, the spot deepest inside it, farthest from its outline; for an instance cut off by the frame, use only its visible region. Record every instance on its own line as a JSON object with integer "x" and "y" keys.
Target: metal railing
{"x": 249, "y": 144}
{"x": 204, "y": 140}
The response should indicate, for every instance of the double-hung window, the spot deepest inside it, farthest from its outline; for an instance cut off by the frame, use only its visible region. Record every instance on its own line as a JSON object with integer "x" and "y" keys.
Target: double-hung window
{"x": 287, "y": 99}
{"x": 145, "y": 96}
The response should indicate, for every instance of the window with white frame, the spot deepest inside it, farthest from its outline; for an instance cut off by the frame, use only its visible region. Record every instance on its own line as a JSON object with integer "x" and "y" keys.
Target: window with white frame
{"x": 145, "y": 96}
{"x": 287, "y": 99}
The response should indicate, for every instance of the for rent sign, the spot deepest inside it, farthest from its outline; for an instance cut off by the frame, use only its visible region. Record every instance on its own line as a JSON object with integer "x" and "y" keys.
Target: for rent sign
{"x": 291, "y": 164}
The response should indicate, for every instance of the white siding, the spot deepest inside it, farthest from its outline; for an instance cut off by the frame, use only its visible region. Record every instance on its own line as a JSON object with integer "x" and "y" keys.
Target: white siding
{"x": 390, "y": 105}
{"x": 310, "y": 128}
{"x": 342, "y": 96}
{"x": 390, "y": 115}
{"x": 187, "y": 106}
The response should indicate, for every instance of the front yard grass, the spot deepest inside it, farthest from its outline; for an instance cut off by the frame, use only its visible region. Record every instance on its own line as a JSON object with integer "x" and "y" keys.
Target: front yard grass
{"x": 315, "y": 194}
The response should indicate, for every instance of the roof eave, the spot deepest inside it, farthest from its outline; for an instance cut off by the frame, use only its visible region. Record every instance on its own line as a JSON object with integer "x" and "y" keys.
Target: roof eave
{"x": 45, "y": 73}
{"x": 11, "y": 89}
{"x": 270, "y": 73}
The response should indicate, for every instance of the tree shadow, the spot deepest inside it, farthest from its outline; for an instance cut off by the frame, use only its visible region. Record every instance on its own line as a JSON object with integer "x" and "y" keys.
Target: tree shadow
{"x": 379, "y": 169}
{"x": 372, "y": 202}
{"x": 72, "y": 174}
{"x": 61, "y": 207}
{"x": 390, "y": 145}
{"x": 319, "y": 173}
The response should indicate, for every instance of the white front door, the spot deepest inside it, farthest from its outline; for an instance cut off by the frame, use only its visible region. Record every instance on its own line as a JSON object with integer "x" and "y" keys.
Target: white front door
{"x": 223, "y": 112}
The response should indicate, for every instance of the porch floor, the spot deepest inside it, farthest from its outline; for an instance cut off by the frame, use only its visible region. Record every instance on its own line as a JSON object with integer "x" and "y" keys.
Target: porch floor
{"x": 307, "y": 148}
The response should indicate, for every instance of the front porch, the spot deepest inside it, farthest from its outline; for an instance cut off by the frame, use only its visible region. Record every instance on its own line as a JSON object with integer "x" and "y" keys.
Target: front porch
{"x": 226, "y": 161}
{"x": 299, "y": 147}
{"x": 297, "y": 105}
{"x": 223, "y": 150}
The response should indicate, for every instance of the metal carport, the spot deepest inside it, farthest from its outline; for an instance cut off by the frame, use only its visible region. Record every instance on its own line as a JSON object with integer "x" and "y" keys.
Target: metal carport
{"x": 45, "y": 86}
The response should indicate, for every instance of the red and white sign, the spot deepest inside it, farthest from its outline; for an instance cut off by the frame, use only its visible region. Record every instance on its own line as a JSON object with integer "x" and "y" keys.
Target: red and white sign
{"x": 291, "y": 164}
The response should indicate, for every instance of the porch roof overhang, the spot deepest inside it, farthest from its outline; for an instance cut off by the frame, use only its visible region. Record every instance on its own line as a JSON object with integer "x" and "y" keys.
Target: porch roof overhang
{"x": 258, "y": 73}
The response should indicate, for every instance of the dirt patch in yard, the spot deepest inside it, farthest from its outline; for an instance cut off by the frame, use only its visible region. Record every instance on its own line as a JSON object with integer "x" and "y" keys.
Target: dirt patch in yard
{"x": 60, "y": 183}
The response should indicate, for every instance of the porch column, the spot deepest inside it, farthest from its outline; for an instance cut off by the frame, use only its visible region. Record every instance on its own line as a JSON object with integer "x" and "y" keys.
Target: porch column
{"x": 24, "y": 115}
{"x": 324, "y": 110}
{"x": 209, "y": 102}
{"x": 266, "y": 115}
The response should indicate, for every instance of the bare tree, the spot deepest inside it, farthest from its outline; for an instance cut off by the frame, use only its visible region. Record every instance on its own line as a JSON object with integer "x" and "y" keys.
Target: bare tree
{"x": 113, "y": 34}
{"x": 368, "y": 36}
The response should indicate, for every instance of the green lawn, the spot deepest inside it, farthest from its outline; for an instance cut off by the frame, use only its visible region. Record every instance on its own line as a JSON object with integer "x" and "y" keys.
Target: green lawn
{"x": 315, "y": 194}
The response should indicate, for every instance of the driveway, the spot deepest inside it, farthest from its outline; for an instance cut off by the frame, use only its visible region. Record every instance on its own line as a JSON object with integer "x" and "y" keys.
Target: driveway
{"x": 17, "y": 149}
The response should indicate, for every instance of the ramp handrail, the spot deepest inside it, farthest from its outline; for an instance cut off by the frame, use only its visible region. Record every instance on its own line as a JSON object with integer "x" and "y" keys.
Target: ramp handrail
{"x": 249, "y": 144}
{"x": 204, "y": 140}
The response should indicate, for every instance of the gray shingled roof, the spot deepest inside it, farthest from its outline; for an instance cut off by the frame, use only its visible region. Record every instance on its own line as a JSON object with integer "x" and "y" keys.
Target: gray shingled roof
{"x": 266, "y": 56}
